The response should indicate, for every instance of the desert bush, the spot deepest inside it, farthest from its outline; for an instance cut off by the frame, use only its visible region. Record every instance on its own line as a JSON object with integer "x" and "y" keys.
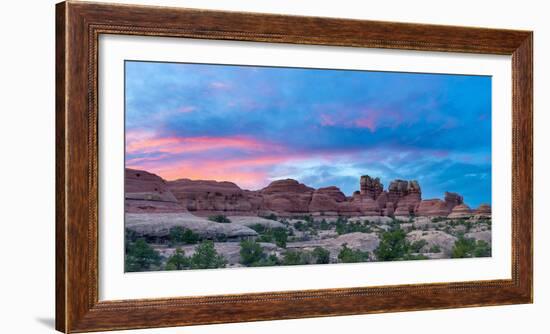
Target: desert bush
{"x": 321, "y": 255}
{"x": 140, "y": 256}
{"x": 300, "y": 226}
{"x": 178, "y": 261}
{"x": 467, "y": 247}
{"x": 130, "y": 236}
{"x": 324, "y": 225}
{"x": 417, "y": 245}
{"x": 250, "y": 252}
{"x": 435, "y": 249}
{"x": 252, "y": 255}
{"x": 206, "y": 257}
{"x": 279, "y": 235}
{"x": 345, "y": 227}
{"x": 348, "y": 255}
{"x": 296, "y": 257}
{"x": 219, "y": 219}
{"x": 180, "y": 235}
{"x": 266, "y": 261}
{"x": 483, "y": 249}
{"x": 393, "y": 246}
{"x": 259, "y": 228}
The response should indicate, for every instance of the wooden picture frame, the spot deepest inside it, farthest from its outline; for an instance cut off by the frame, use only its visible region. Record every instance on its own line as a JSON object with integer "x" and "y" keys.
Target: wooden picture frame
{"x": 78, "y": 27}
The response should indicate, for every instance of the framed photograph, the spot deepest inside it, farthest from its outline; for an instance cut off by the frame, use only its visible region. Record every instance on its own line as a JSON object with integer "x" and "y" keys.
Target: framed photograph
{"x": 222, "y": 167}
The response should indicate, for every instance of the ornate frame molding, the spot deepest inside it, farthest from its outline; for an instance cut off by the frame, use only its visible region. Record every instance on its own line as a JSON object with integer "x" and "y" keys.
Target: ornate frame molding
{"x": 78, "y": 27}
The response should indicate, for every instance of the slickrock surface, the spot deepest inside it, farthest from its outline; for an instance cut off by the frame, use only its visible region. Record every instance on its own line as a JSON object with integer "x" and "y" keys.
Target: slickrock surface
{"x": 159, "y": 225}
{"x": 251, "y": 220}
{"x": 481, "y": 235}
{"x": 362, "y": 241}
{"x": 443, "y": 240}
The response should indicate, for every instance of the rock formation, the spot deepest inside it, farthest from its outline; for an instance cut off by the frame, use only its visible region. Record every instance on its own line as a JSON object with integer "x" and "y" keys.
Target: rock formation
{"x": 201, "y": 195}
{"x": 461, "y": 211}
{"x": 483, "y": 212}
{"x": 287, "y": 196}
{"x": 326, "y": 200}
{"x": 453, "y": 199}
{"x": 406, "y": 195}
{"x": 433, "y": 208}
{"x": 146, "y": 192}
{"x": 370, "y": 187}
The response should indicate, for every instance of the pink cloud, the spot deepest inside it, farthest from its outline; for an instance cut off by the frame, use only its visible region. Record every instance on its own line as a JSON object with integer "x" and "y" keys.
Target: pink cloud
{"x": 143, "y": 142}
{"x": 186, "y": 109}
{"x": 366, "y": 122}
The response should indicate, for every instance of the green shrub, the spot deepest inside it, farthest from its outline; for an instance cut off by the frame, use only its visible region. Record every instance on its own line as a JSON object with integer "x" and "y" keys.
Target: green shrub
{"x": 180, "y": 235}
{"x": 343, "y": 226}
{"x": 250, "y": 252}
{"x": 467, "y": 247}
{"x": 178, "y": 261}
{"x": 393, "y": 246}
{"x": 435, "y": 249}
{"x": 279, "y": 235}
{"x": 219, "y": 219}
{"x": 323, "y": 225}
{"x": 409, "y": 257}
{"x": 130, "y": 236}
{"x": 295, "y": 257}
{"x": 206, "y": 257}
{"x": 266, "y": 261}
{"x": 259, "y": 228}
{"x": 417, "y": 245}
{"x": 348, "y": 255}
{"x": 300, "y": 226}
{"x": 483, "y": 249}
{"x": 140, "y": 256}
{"x": 321, "y": 255}
{"x": 463, "y": 247}
{"x": 252, "y": 255}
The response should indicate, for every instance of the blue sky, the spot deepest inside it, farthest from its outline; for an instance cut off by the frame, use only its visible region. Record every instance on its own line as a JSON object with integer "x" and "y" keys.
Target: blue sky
{"x": 252, "y": 125}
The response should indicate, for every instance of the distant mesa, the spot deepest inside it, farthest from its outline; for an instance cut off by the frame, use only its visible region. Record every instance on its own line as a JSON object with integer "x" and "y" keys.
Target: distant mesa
{"x": 147, "y": 192}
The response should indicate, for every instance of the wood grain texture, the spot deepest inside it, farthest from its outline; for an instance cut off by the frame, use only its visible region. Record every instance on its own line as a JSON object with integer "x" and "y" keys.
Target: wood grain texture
{"x": 78, "y": 28}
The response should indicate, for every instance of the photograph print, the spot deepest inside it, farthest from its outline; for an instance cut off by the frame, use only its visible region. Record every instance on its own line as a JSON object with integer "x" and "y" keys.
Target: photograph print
{"x": 232, "y": 166}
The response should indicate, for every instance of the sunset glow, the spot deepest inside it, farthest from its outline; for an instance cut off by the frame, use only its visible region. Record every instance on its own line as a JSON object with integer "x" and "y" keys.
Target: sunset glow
{"x": 251, "y": 125}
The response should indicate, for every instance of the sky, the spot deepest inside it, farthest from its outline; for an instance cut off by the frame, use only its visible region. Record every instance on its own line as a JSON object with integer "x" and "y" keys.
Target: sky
{"x": 252, "y": 125}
